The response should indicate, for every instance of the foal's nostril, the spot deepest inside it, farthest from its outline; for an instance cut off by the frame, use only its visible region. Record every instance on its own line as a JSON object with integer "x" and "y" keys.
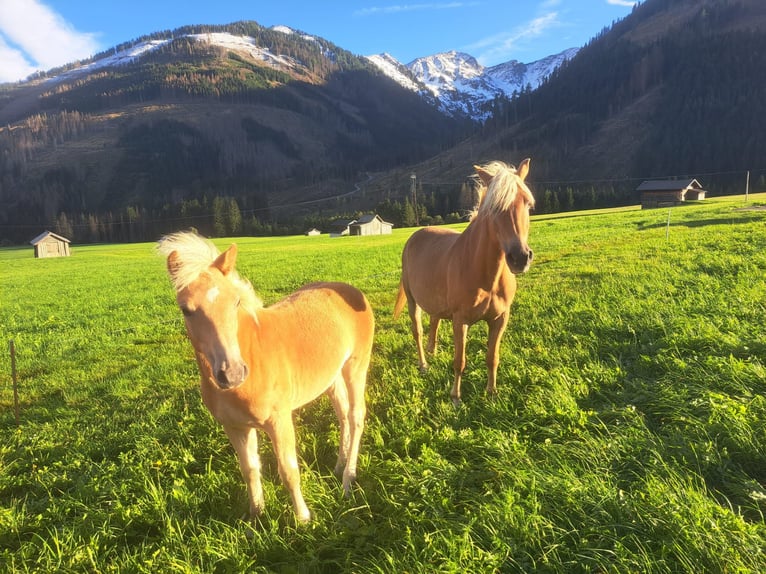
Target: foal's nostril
{"x": 531, "y": 255}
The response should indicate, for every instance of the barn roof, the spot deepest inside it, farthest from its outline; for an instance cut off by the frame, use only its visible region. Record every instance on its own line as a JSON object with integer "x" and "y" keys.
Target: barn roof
{"x": 45, "y": 235}
{"x": 669, "y": 185}
{"x": 367, "y": 218}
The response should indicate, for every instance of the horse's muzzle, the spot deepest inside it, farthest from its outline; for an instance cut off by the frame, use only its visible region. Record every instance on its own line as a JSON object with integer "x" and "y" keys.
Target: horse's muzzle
{"x": 519, "y": 262}
{"x": 231, "y": 376}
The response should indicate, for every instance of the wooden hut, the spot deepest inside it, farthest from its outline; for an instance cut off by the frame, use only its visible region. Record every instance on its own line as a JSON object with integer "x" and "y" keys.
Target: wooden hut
{"x": 313, "y": 232}
{"x": 341, "y": 227}
{"x": 49, "y": 244}
{"x": 669, "y": 192}
{"x": 370, "y": 224}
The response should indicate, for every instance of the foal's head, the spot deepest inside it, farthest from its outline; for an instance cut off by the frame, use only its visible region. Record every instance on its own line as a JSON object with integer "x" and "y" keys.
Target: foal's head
{"x": 506, "y": 202}
{"x": 211, "y": 296}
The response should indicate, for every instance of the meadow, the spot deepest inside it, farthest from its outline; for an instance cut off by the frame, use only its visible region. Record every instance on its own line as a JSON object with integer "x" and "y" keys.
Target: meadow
{"x": 629, "y": 434}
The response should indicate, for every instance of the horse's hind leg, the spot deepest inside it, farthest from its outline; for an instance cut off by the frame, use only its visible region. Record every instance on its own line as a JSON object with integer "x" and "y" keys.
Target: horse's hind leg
{"x": 245, "y": 443}
{"x": 339, "y": 398}
{"x": 417, "y": 331}
{"x": 433, "y": 333}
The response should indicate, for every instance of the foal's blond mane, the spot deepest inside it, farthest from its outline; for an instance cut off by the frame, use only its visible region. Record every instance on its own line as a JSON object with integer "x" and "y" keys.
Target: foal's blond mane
{"x": 502, "y": 192}
{"x": 195, "y": 254}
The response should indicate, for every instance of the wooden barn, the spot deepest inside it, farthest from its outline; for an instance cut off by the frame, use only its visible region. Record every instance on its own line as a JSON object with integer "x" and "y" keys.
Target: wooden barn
{"x": 341, "y": 227}
{"x": 370, "y": 224}
{"x": 669, "y": 192}
{"x": 48, "y": 244}
{"x": 313, "y": 232}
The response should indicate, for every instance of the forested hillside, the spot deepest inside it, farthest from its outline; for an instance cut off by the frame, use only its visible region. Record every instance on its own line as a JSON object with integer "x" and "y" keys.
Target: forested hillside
{"x": 124, "y": 152}
{"x": 672, "y": 90}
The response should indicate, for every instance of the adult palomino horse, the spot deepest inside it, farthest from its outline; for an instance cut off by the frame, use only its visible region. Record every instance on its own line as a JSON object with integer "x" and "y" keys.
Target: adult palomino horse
{"x": 469, "y": 276}
{"x": 258, "y": 364}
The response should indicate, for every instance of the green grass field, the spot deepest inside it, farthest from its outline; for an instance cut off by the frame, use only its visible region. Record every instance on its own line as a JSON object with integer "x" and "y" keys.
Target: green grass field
{"x": 629, "y": 434}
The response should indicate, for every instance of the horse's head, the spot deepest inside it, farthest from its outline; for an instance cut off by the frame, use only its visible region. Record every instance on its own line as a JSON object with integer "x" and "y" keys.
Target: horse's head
{"x": 210, "y": 302}
{"x": 506, "y": 201}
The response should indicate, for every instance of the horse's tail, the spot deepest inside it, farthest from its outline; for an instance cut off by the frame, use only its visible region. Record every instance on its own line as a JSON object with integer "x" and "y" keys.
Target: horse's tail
{"x": 401, "y": 298}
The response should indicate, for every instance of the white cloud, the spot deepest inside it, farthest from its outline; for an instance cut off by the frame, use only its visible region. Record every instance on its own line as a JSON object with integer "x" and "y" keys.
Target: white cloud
{"x": 35, "y": 37}
{"x": 626, "y": 3}
{"x": 13, "y": 65}
{"x": 411, "y": 8}
{"x": 499, "y": 47}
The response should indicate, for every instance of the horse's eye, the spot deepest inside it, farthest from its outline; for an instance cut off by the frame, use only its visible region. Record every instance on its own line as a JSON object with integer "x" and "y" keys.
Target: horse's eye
{"x": 186, "y": 311}
{"x": 239, "y": 301}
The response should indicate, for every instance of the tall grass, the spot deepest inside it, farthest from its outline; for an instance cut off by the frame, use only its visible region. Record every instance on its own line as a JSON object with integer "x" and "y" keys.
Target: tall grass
{"x": 629, "y": 434}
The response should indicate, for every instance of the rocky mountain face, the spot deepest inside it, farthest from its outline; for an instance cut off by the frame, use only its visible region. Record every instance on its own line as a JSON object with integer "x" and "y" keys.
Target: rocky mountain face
{"x": 461, "y": 86}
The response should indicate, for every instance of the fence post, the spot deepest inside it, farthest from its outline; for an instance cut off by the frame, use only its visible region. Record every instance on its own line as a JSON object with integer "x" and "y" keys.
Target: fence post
{"x": 15, "y": 383}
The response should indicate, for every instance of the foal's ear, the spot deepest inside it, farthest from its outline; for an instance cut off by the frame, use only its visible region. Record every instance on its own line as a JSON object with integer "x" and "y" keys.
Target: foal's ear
{"x": 225, "y": 261}
{"x": 174, "y": 264}
{"x": 523, "y": 169}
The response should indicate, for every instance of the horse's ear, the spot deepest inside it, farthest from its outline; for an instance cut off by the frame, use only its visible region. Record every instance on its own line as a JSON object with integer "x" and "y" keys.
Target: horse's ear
{"x": 225, "y": 261}
{"x": 484, "y": 175}
{"x": 174, "y": 264}
{"x": 523, "y": 169}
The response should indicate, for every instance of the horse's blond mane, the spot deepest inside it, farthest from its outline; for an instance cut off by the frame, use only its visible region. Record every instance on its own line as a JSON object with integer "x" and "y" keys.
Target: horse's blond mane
{"x": 501, "y": 193}
{"x": 195, "y": 254}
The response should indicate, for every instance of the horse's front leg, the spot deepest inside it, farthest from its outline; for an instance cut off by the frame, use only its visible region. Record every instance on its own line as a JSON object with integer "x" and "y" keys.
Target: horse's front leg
{"x": 459, "y": 330}
{"x": 282, "y": 433}
{"x": 496, "y": 330}
{"x": 245, "y": 443}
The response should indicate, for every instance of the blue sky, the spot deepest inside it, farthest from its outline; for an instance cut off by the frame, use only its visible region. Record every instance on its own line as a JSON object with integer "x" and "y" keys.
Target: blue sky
{"x": 42, "y": 34}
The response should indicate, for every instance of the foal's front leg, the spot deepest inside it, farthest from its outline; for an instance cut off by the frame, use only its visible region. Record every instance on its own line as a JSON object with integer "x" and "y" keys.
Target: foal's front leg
{"x": 282, "y": 433}
{"x": 245, "y": 443}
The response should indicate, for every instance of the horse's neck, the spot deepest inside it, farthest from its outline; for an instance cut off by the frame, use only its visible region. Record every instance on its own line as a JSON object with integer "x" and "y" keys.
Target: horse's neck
{"x": 485, "y": 256}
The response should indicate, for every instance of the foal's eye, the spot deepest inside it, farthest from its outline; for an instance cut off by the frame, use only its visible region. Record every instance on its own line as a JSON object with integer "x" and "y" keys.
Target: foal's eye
{"x": 239, "y": 301}
{"x": 186, "y": 311}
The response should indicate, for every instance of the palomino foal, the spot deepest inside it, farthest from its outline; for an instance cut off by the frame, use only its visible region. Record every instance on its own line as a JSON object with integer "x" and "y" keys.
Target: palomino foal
{"x": 258, "y": 364}
{"x": 467, "y": 277}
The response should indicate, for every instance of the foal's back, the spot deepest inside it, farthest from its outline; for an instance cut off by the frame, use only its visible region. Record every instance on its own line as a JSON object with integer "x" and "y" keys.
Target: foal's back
{"x": 308, "y": 339}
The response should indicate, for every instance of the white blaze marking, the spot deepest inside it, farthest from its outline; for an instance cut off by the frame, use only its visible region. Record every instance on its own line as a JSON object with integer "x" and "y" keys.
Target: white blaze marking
{"x": 213, "y": 294}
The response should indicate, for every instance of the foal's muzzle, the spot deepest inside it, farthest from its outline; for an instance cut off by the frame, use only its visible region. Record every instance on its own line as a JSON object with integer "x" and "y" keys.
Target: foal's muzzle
{"x": 230, "y": 376}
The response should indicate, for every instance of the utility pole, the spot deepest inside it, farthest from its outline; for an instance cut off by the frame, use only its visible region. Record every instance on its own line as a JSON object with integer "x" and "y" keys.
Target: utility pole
{"x": 414, "y": 191}
{"x": 747, "y": 186}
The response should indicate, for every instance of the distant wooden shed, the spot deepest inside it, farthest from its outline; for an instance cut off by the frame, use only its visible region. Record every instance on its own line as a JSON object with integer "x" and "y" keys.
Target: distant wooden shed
{"x": 341, "y": 227}
{"x": 49, "y": 244}
{"x": 669, "y": 192}
{"x": 313, "y": 231}
{"x": 370, "y": 224}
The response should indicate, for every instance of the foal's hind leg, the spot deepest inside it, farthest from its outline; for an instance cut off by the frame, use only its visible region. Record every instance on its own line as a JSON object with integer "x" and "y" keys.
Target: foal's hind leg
{"x": 417, "y": 331}
{"x": 355, "y": 378}
{"x": 339, "y": 398}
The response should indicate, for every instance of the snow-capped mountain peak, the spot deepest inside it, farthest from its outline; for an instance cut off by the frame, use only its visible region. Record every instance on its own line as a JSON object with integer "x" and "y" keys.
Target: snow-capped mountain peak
{"x": 463, "y": 86}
